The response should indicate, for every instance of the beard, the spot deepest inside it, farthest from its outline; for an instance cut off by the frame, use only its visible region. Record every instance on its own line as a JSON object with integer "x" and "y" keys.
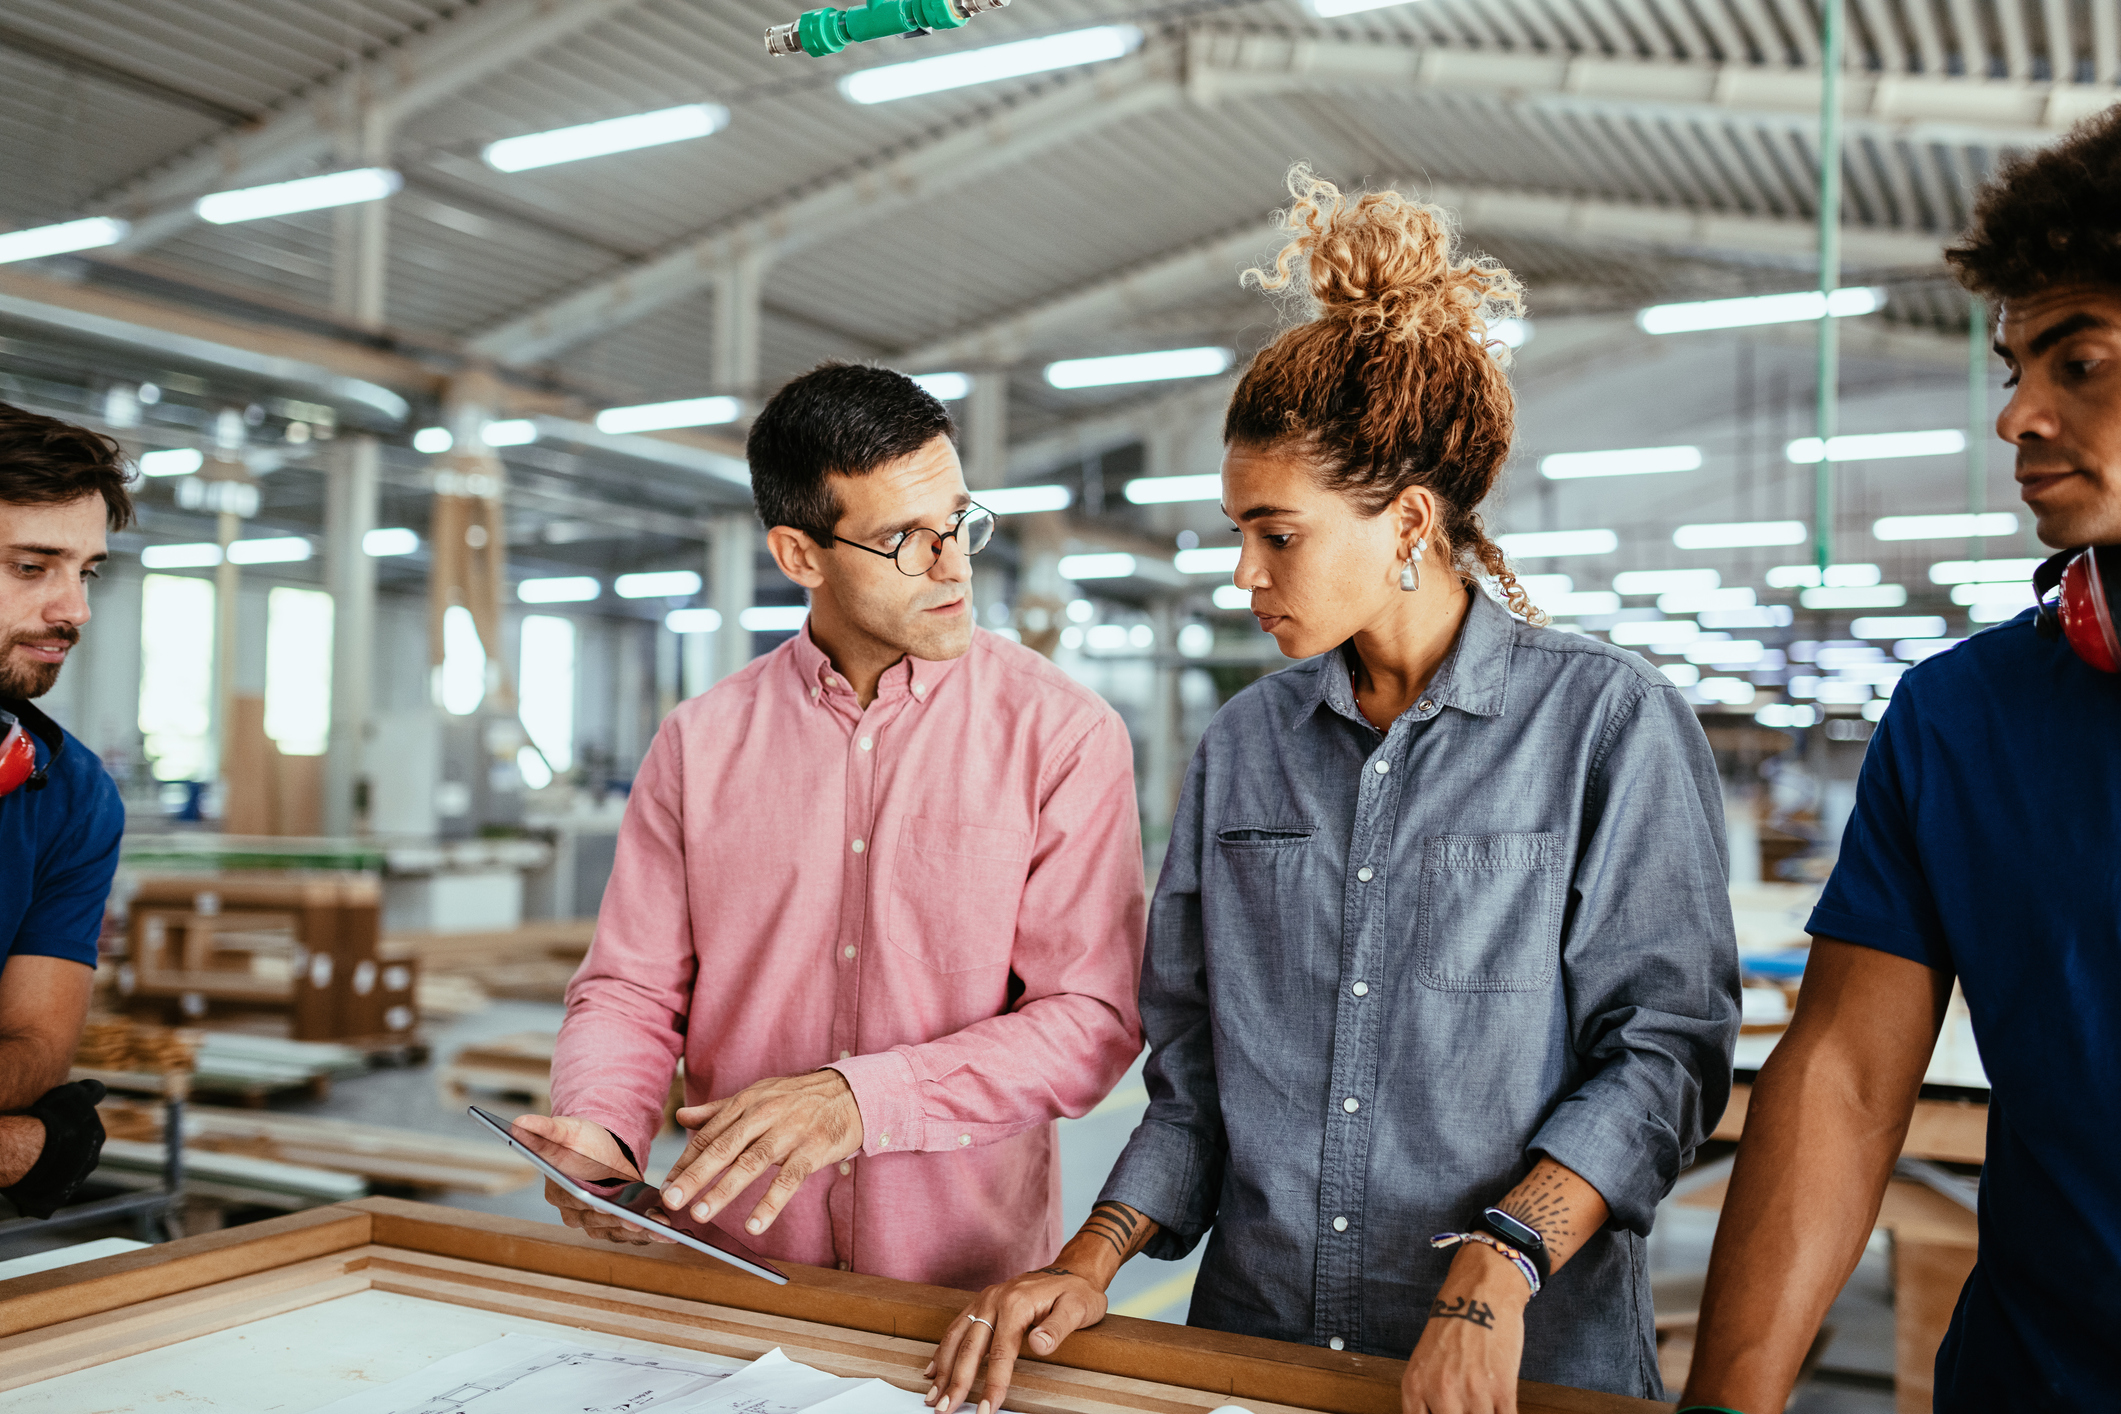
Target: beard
{"x": 22, "y": 681}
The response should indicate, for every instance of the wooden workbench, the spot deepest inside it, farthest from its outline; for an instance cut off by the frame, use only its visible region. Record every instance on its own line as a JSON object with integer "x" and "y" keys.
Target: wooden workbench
{"x": 199, "y": 1324}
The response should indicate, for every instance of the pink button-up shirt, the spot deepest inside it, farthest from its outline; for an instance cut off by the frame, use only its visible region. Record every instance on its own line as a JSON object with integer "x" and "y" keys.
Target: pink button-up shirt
{"x": 939, "y": 896}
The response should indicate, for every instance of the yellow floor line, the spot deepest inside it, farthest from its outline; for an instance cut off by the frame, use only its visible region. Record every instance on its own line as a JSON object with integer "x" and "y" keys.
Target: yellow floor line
{"x": 1157, "y": 1298}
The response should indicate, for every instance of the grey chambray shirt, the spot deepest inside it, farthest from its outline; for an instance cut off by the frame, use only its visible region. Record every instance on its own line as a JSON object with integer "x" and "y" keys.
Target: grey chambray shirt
{"x": 1386, "y": 971}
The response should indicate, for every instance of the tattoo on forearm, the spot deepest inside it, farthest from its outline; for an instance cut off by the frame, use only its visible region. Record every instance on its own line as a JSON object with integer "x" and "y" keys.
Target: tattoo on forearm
{"x": 1120, "y": 1226}
{"x": 1480, "y": 1313}
{"x": 1541, "y": 1203}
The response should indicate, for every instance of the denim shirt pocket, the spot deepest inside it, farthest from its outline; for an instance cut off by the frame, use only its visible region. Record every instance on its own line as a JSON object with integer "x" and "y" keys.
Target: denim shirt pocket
{"x": 954, "y": 892}
{"x": 1260, "y": 861}
{"x": 1489, "y": 912}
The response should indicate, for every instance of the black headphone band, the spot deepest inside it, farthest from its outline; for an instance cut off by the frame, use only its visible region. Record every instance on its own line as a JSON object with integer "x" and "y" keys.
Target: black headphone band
{"x": 44, "y": 729}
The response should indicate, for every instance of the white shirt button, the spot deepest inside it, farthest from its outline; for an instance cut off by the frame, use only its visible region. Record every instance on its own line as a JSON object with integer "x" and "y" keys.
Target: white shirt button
{"x": 1336, "y": 1343}
{"x": 845, "y": 1168}
{"x": 1427, "y": 706}
{"x": 859, "y": 846}
{"x": 1351, "y": 1104}
{"x": 831, "y": 681}
{"x": 846, "y": 1055}
{"x": 1360, "y": 989}
{"x": 867, "y": 743}
{"x": 963, "y": 1140}
{"x": 813, "y": 694}
{"x": 1364, "y": 874}
{"x": 1339, "y": 1224}
{"x": 848, "y": 952}
{"x": 883, "y": 1139}
{"x": 1383, "y": 766}
{"x": 920, "y": 689}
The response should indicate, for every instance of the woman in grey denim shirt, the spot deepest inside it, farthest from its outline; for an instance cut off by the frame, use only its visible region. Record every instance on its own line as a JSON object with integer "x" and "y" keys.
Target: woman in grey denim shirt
{"x": 1443, "y": 922}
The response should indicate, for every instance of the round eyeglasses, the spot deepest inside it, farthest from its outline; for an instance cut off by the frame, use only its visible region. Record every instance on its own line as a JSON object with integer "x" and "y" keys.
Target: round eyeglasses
{"x": 919, "y": 548}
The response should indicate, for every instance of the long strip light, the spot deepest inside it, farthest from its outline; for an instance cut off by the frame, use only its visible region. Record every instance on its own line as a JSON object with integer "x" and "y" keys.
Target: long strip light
{"x": 685, "y": 412}
{"x": 509, "y": 432}
{"x": 1229, "y": 596}
{"x": 692, "y": 621}
{"x": 1577, "y": 602}
{"x": 1911, "y": 626}
{"x": 562, "y": 589}
{"x": 2017, "y": 593}
{"x": 1751, "y": 310}
{"x": 656, "y": 584}
{"x": 944, "y": 387}
{"x": 1981, "y": 571}
{"x": 1877, "y": 446}
{"x": 1025, "y": 500}
{"x": 387, "y": 541}
{"x": 1665, "y": 581}
{"x": 171, "y": 461}
{"x": 986, "y": 65}
{"x": 1101, "y": 565}
{"x": 1631, "y": 461}
{"x": 1162, "y": 490}
{"x": 1542, "y": 544}
{"x": 1876, "y": 596}
{"x": 188, "y": 556}
{"x": 773, "y": 618}
{"x": 1694, "y": 601}
{"x": 601, "y": 139}
{"x": 303, "y": 194}
{"x": 1836, "y": 576}
{"x": 35, "y": 242}
{"x": 1947, "y": 527}
{"x": 1738, "y": 535}
{"x": 1213, "y": 559}
{"x": 1154, "y": 367}
{"x": 270, "y": 550}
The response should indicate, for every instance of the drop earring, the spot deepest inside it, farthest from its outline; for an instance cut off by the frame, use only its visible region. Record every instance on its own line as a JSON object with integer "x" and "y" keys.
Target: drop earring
{"x": 1410, "y": 572}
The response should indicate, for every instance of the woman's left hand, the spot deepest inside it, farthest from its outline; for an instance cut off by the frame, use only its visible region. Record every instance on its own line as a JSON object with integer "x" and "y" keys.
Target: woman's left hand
{"x": 1467, "y": 1358}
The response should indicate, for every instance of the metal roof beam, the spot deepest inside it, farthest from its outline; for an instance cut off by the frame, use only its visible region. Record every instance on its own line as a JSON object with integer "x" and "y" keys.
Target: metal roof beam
{"x": 383, "y": 88}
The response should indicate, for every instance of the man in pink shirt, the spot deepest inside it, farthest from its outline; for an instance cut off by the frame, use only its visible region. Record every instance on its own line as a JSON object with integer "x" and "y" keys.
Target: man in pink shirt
{"x": 881, "y": 890}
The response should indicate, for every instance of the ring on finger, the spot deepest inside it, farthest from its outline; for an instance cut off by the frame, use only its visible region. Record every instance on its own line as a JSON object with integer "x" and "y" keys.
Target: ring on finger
{"x": 982, "y": 1321}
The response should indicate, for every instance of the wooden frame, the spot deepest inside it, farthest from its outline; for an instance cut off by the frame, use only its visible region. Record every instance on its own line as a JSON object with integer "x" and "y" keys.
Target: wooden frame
{"x": 75, "y": 1318}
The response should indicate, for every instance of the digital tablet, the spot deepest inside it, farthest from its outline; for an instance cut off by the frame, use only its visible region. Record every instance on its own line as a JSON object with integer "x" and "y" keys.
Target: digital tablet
{"x": 624, "y": 1195}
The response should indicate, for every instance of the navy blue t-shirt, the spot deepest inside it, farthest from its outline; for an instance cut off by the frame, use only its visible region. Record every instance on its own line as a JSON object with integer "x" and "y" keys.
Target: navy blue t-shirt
{"x": 1986, "y": 842}
{"x": 61, "y": 848}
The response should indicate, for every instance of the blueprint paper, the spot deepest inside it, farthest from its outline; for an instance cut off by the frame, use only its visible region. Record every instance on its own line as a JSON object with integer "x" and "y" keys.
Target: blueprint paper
{"x": 520, "y": 1374}
{"x": 771, "y": 1384}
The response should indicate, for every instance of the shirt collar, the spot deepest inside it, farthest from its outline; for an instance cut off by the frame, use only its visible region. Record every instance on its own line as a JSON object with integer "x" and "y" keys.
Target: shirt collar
{"x": 910, "y": 676}
{"x": 1474, "y": 676}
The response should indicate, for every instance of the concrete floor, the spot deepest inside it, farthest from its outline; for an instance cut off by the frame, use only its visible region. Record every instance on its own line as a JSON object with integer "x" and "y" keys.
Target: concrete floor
{"x": 1855, "y": 1377}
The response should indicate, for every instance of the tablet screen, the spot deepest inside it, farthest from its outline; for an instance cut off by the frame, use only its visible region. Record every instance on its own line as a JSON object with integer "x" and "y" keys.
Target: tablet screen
{"x": 624, "y": 1188}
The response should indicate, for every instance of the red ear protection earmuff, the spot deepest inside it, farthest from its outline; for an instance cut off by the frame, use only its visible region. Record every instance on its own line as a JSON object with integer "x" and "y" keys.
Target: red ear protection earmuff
{"x": 2088, "y": 609}
{"x": 20, "y": 727}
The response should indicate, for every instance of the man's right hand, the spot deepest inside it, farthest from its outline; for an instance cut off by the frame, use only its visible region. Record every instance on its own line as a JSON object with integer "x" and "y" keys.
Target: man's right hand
{"x": 594, "y": 1140}
{"x": 1031, "y": 1314}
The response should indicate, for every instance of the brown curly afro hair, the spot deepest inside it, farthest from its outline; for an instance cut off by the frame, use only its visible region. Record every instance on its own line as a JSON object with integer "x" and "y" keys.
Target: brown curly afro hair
{"x": 2050, "y": 217}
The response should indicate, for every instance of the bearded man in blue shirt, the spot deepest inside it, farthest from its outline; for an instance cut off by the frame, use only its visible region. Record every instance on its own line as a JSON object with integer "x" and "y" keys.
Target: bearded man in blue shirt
{"x": 62, "y": 488}
{"x": 1985, "y": 846}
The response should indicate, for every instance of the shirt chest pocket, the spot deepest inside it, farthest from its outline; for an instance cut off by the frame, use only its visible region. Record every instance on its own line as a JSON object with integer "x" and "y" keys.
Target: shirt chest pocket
{"x": 954, "y": 891}
{"x": 1260, "y": 862}
{"x": 1489, "y": 911}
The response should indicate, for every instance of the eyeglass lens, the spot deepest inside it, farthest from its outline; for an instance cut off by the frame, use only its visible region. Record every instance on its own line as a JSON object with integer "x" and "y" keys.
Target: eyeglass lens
{"x": 919, "y": 551}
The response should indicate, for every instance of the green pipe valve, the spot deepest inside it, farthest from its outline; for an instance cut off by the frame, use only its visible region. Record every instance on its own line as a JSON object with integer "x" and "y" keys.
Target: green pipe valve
{"x": 828, "y": 31}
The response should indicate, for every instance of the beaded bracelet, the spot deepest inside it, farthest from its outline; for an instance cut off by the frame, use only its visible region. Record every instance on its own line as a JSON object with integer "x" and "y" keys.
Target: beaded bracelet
{"x": 1515, "y": 1258}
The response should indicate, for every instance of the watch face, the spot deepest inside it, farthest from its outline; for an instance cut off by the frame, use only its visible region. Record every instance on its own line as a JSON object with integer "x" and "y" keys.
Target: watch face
{"x": 1511, "y": 1229}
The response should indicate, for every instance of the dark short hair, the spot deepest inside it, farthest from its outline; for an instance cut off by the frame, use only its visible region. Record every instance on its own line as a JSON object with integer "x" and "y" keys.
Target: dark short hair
{"x": 2050, "y": 217}
{"x": 848, "y": 418}
{"x": 46, "y": 462}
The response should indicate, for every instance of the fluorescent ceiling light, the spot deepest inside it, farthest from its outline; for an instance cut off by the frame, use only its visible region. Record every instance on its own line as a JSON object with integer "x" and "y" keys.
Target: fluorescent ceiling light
{"x": 1571, "y": 605}
{"x": 1740, "y": 534}
{"x": 773, "y": 618}
{"x": 1680, "y": 674}
{"x": 1229, "y": 596}
{"x": 657, "y": 584}
{"x": 1981, "y": 571}
{"x": 655, "y": 417}
{"x": 1162, "y": 490}
{"x": 1547, "y": 584}
{"x": 1918, "y": 650}
{"x": 1784, "y": 714}
{"x": 1641, "y": 631}
{"x": 601, "y": 139}
{"x": 1993, "y": 613}
{"x": 565, "y": 589}
{"x": 1334, "y": 9}
{"x": 1025, "y": 500}
{"x": 1836, "y": 577}
{"x": 171, "y": 461}
{"x": 1958, "y": 527}
{"x": 2018, "y": 593}
{"x": 509, "y": 432}
{"x": 1726, "y": 653}
{"x": 1097, "y": 566}
{"x": 1510, "y": 333}
{"x": 1541, "y": 544}
{"x": 1759, "y": 616}
{"x": 269, "y": 550}
{"x": 433, "y": 441}
{"x": 198, "y": 555}
{"x": 944, "y": 387}
{"x": 302, "y": 194}
{"x": 1877, "y": 596}
{"x": 1664, "y": 581}
{"x": 390, "y": 540}
{"x": 1138, "y": 367}
{"x": 692, "y": 621}
{"x": 1216, "y": 559}
{"x": 38, "y": 241}
{"x": 1911, "y": 626}
{"x": 1693, "y": 601}
{"x": 1631, "y": 461}
{"x": 1877, "y": 446}
{"x": 988, "y": 64}
{"x": 1758, "y": 309}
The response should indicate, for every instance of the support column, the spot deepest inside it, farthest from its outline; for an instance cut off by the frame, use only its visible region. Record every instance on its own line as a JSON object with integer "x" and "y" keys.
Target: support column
{"x": 983, "y": 446}
{"x": 738, "y": 289}
{"x": 228, "y": 582}
{"x": 732, "y": 582}
{"x": 1832, "y": 22}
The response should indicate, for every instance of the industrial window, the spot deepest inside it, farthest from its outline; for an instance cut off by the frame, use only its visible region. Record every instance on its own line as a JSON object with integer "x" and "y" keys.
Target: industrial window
{"x": 547, "y": 681}
{"x": 298, "y": 670}
{"x": 177, "y": 675}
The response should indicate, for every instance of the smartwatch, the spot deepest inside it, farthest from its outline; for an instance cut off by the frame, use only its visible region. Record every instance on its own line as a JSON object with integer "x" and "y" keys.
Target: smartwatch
{"x": 1500, "y": 1224}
